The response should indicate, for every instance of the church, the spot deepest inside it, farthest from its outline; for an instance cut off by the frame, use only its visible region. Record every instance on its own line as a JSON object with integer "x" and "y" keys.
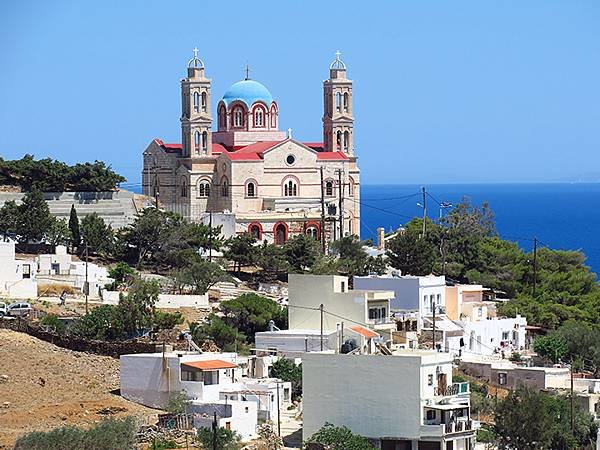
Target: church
{"x": 272, "y": 185}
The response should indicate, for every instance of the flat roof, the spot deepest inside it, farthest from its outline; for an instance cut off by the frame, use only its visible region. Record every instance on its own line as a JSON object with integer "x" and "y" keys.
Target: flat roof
{"x": 297, "y": 332}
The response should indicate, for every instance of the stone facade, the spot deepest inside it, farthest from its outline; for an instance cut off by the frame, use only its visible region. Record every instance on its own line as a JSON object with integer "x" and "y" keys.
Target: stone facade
{"x": 271, "y": 182}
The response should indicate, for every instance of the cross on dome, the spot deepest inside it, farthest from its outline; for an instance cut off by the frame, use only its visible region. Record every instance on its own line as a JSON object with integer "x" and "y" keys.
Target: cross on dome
{"x": 195, "y": 61}
{"x": 248, "y": 70}
{"x": 337, "y": 62}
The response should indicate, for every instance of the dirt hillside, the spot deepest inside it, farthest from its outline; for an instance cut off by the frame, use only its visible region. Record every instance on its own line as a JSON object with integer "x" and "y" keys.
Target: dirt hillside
{"x": 43, "y": 386}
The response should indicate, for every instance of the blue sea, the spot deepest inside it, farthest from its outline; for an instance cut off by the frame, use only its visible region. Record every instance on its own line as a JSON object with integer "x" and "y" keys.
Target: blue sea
{"x": 561, "y": 216}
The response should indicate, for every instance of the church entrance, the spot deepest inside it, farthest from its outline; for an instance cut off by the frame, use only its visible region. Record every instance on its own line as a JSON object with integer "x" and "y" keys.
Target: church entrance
{"x": 281, "y": 234}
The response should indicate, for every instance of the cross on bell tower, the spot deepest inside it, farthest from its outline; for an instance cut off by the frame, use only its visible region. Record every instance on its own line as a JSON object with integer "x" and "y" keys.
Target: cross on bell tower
{"x": 338, "y": 121}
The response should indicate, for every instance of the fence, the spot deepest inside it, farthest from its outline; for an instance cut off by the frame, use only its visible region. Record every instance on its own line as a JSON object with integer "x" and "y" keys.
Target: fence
{"x": 107, "y": 348}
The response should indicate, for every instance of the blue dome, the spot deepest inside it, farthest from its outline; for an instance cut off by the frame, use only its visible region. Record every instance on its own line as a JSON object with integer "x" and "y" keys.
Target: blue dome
{"x": 247, "y": 91}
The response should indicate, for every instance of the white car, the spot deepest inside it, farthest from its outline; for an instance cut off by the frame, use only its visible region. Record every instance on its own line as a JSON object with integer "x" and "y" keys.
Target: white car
{"x": 3, "y": 309}
{"x": 19, "y": 309}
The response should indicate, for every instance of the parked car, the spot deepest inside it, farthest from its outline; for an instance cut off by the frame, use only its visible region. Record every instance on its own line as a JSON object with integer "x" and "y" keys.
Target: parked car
{"x": 3, "y": 309}
{"x": 19, "y": 309}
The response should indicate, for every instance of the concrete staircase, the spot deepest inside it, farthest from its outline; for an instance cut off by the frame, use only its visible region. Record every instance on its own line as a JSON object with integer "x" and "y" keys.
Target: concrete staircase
{"x": 117, "y": 208}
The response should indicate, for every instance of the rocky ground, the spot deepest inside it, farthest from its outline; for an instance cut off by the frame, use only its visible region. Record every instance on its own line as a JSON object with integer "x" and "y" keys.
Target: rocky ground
{"x": 43, "y": 386}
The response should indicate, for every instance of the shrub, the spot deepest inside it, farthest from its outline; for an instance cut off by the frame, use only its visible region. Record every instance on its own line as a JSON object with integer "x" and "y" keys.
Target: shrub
{"x": 110, "y": 434}
{"x": 225, "y": 439}
{"x": 53, "y": 322}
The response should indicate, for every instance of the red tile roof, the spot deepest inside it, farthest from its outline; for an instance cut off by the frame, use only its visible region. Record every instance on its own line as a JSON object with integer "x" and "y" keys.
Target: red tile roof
{"x": 331, "y": 156}
{"x": 364, "y": 331}
{"x": 210, "y": 364}
{"x": 170, "y": 148}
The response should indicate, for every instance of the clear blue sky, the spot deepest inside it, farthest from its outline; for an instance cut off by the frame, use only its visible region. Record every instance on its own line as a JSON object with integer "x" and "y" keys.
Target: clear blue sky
{"x": 444, "y": 91}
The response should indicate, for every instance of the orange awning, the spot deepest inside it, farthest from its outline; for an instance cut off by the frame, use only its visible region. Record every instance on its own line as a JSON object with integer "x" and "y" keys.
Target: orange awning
{"x": 210, "y": 364}
{"x": 364, "y": 331}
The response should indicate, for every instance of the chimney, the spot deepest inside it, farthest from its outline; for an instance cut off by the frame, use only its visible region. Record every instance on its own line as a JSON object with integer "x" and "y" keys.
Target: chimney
{"x": 380, "y": 238}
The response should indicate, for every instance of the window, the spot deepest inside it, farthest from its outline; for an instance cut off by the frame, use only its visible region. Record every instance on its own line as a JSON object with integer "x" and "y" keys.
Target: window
{"x": 224, "y": 187}
{"x": 429, "y": 381}
{"x": 238, "y": 117}
{"x": 377, "y": 313}
{"x": 313, "y": 232}
{"x": 480, "y": 311}
{"x": 197, "y": 142}
{"x": 204, "y": 189}
{"x": 502, "y": 378}
{"x": 204, "y": 102}
{"x": 273, "y": 117}
{"x": 196, "y": 101}
{"x": 505, "y": 335}
{"x": 291, "y": 159}
{"x": 259, "y": 118}
{"x": 205, "y": 142}
{"x": 255, "y": 231}
{"x": 431, "y": 412}
{"x": 246, "y": 409}
{"x": 338, "y": 101}
{"x": 222, "y": 117}
{"x": 210, "y": 377}
{"x": 345, "y": 101}
{"x": 290, "y": 188}
{"x": 250, "y": 189}
{"x": 329, "y": 188}
{"x": 351, "y": 187}
{"x": 343, "y": 286}
{"x": 338, "y": 140}
{"x": 184, "y": 188}
{"x": 280, "y": 234}
{"x": 26, "y": 270}
{"x": 346, "y": 141}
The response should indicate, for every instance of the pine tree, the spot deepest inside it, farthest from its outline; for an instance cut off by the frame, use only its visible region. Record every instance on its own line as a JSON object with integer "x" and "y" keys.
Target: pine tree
{"x": 35, "y": 217}
{"x": 74, "y": 228}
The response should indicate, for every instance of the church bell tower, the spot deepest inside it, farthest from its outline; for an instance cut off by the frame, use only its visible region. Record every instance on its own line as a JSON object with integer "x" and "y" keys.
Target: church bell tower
{"x": 338, "y": 121}
{"x": 196, "y": 122}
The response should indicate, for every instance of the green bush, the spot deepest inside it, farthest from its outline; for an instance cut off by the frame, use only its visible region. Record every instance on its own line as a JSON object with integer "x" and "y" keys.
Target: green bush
{"x": 53, "y": 322}
{"x": 110, "y": 434}
{"x": 225, "y": 439}
{"x": 163, "y": 444}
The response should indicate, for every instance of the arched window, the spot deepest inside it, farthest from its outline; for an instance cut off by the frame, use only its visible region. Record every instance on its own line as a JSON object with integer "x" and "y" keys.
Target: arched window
{"x": 338, "y": 140}
{"x": 273, "y": 117}
{"x": 222, "y": 118}
{"x": 338, "y": 101}
{"x": 312, "y": 231}
{"x": 204, "y": 102}
{"x": 196, "y": 101}
{"x": 251, "y": 189}
{"x": 184, "y": 188}
{"x": 204, "y": 142}
{"x": 255, "y": 230}
{"x": 259, "y": 117}
{"x": 224, "y": 187}
{"x": 203, "y": 188}
{"x": 351, "y": 187}
{"x": 197, "y": 142}
{"x": 290, "y": 188}
{"x": 238, "y": 117}
{"x": 345, "y": 102}
{"x": 281, "y": 233}
{"x": 329, "y": 188}
{"x": 346, "y": 141}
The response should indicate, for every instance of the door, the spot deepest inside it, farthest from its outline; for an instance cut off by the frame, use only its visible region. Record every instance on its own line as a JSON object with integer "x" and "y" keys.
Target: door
{"x": 442, "y": 382}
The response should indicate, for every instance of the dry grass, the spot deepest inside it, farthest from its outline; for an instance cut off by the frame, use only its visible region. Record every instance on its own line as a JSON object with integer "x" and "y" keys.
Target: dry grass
{"x": 55, "y": 289}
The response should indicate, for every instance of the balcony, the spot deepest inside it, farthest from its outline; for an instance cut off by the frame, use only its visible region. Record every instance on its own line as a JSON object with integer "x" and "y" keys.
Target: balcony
{"x": 446, "y": 429}
{"x": 453, "y": 390}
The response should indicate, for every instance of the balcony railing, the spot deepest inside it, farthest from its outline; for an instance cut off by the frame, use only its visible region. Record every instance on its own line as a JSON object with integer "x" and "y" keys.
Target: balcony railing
{"x": 454, "y": 389}
{"x": 443, "y": 429}
{"x": 459, "y": 426}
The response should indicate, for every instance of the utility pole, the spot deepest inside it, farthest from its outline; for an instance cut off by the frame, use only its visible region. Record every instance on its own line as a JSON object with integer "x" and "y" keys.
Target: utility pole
{"x": 434, "y": 327}
{"x": 321, "y": 310}
{"x": 535, "y": 242}
{"x": 278, "y": 412}
{"x": 322, "y": 212}
{"x": 341, "y": 203}
{"x": 86, "y": 286}
{"x": 424, "y": 211}
{"x": 210, "y": 236}
{"x": 214, "y": 430}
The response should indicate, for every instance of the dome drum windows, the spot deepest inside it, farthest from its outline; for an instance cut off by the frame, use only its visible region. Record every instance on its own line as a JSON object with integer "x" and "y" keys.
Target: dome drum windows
{"x": 259, "y": 117}
{"x": 238, "y": 117}
{"x": 222, "y": 118}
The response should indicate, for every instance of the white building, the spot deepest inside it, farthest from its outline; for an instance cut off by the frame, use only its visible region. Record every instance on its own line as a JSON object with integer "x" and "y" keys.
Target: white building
{"x": 17, "y": 277}
{"x": 214, "y": 382}
{"x": 357, "y": 318}
{"x": 404, "y": 401}
{"x": 411, "y": 293}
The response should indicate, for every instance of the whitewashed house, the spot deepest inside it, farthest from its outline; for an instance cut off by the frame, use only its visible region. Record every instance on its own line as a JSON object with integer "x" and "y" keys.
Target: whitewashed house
{"x": 403, "y": 401}
{"x": 213, "y": 382}
{"x": 351, "y": 318}
{"x": 17, "y": 276}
